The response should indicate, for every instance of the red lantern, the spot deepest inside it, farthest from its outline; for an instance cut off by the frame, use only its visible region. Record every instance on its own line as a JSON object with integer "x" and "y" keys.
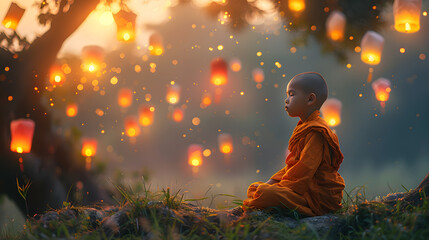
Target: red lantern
{"x": 71, "y": 110}
{"x": 22, "y": 131}
{"x": 13, "y": 16}
{"x": 225, "y": 143}
{"x": 89, "y": 147}
{"x": 126, "y": 25}
{"x": 92, "y": 58}
{"x": 156, "y": 46}
{"x": 57, "y": 76}
{"x": 178, "y": 115}
{"x": 331, "y": 111}
{"x": 125, "y": 97}
{"x": 219, "y": 72}
{"x": 382, "y": 90}
{"x": 146, "y": 115}
{"x": 132, "y": 128}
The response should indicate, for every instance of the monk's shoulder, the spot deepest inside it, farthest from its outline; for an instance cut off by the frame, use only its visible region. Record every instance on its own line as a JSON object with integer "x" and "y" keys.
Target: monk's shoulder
{"x": 315, "y": 136}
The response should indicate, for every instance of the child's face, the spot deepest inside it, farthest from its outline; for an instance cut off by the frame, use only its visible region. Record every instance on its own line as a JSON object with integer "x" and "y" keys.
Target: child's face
{"x": 295, "y": 103}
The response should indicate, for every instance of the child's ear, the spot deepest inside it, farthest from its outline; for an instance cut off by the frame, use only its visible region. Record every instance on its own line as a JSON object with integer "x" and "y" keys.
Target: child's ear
{"x": 311, "y": 99}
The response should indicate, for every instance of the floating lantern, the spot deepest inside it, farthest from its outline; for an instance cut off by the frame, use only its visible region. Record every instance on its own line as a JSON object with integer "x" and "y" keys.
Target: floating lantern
{"x": 125, "y": 97}
{"x": 173, "y": 94}
{"x": 126, "y": 25}
{"x": 371, "y": 48}
{"x": 206, "y": 100}
{"x": 156, "y": 46}
{"x": 331, "y": 111}
{"x": 146, "y": 115}
{"x": 92, "y": 58}
{"x": 235, "y": 65}
{"x": 258, "y": 75}
{"x": 407, "y": 15}
{"x": 336, "y": 25}
{"x": 56, "y": 75}
{"x": 382, "y": 90}
{"x": 178, "y": 115}
{"x": 22, "y": 131}
{"x": 13, "y": 16}
{"x": 132, "y": 128}
{"x": 225, "y": 143}
{"x": 219, "y": 72}
{"x": 195, "y": 155}
{"x": 296, "y": 5}
{"x": 71, "y": 110}
{"x": 89, "y": 147}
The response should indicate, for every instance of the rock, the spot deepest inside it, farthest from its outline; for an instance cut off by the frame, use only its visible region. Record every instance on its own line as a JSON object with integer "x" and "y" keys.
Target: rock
{"x": 323, "y": 225}
{"x": 48, "y": 217}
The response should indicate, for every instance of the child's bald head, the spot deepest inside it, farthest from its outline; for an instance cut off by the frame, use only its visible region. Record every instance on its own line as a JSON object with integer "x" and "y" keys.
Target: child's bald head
{"x": 311, "y": 82}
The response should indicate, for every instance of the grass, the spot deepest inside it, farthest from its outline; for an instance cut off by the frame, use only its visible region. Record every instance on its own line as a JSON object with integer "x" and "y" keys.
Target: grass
{"x": 166, "y": 214}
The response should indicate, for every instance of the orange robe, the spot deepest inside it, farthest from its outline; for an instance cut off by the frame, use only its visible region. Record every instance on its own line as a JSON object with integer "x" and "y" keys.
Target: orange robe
{"x": 310, "y": 182}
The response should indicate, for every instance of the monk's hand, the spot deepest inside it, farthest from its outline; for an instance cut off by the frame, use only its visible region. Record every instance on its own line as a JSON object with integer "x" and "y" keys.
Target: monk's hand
{"x": 272, "y": 181}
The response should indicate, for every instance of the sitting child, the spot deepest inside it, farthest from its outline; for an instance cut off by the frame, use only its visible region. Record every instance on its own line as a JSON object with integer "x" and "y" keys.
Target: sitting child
{"x": 310, "y": 182}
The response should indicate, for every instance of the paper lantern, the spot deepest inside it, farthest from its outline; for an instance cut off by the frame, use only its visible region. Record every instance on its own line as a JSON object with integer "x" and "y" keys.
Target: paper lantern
{"x": 225, "y": 143}
{"x": 195, "y": 155}
{"x": 146, "y": 115}
{"x": 89, "y": 147}
{"x": 13, "y": 16}
{"x": 235, "y": 65}
{"x": 296, "y": 5}
{"x": 92, "y": 58}
{"x": 71, "y": 110}
{"x": 126, "y": 25}
{"x": 371, "y": 48}
{"x": 132, "y": 128}
{"x": 258, "y": 75}
{"x": 336, "y": 25}
{"x": 382, "y": 90}
{"x": 56, "y": 75}
{"x": 407, "y": 15}
{"x": 173, "y": 94}
{"x": 22, "y": 131}
{"x": 331, "y": 111}
{"x": 125, "y": 97}
{"x": 178, "y": 115}
{"x": 156, "y": 46}
{"x": 206, "y": 100}
{"x": 219, "y": 72}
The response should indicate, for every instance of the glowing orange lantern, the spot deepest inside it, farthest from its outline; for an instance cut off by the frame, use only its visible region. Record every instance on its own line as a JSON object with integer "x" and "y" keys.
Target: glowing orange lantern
{"x": 156, "y": 46}
{"x": 126, "y": 25}
{"x": 206, "y": 100}
{"x": 371, "y": 48}
{"x": 225, "y": 143}
{"x": 92, "y": 58}
{"x": 382, "y": 90}
{"x": 219, "y": 72}
{"x": 89, "y": 147}
{"x": 195, "y": 155}
{"x": 258, "y": 75}
{"x": 71, "y": 110}
{"x": 407, "y": 15}
{"x": 22, "y": 131}
{"x": 331, "y": 111}
{"x": 235, "y": 65}
{"x": 125, "y": 97}
{"x": 173, "y": 94}
{"x": 336, "y": 25}
{"x": 146, "y": 115}
{"x": 57, "y": 76}
{"x": 178, "y": 115}
{"x": 13, "y": 16}
{"x": 296, "y": 5}
{"x": 132, "y": 128}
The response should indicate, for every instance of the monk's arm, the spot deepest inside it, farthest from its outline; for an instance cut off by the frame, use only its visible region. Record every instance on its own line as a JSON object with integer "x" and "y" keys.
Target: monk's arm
{"x": 299, "y": 175}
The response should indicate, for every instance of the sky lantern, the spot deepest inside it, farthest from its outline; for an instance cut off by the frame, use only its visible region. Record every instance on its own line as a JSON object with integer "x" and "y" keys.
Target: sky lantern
{"x": 173, "y": 94}
{"x": 92, "y": 58}
{"x": 71, "y": 110}
{"x": 382, "y": 90}
{"x": 125, "y": 97}
{"x": 235, "y": 65}
{"x": 371, "y": 48}
{"x": 146, "y": 115}
{"x": 407, "y": 15}
{"x": 206, "y": 100}
{"x": 132, "y": 128}
{"x": 195, "y": 156}
{"x": 219, "y": 72}
{"x": 13, "y": 16}
{"x": 156, "y": 46}
{"x": 126, "y": 25}
{"x": 56, "y": 75}
{"x": 336, "y": 25}
{"x": 296, "y": 5}
{"x": 22, "y": 131}
{"x": 331, "y": 111}
{"x": 178, "y": 115}
{"x": 225, "y": 143}
{"x": 258, "y": 75}
{"x": 89, "y": 149}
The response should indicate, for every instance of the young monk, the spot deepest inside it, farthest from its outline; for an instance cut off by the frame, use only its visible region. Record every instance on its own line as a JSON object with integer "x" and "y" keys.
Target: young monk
{"x": 310, "y": 182}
